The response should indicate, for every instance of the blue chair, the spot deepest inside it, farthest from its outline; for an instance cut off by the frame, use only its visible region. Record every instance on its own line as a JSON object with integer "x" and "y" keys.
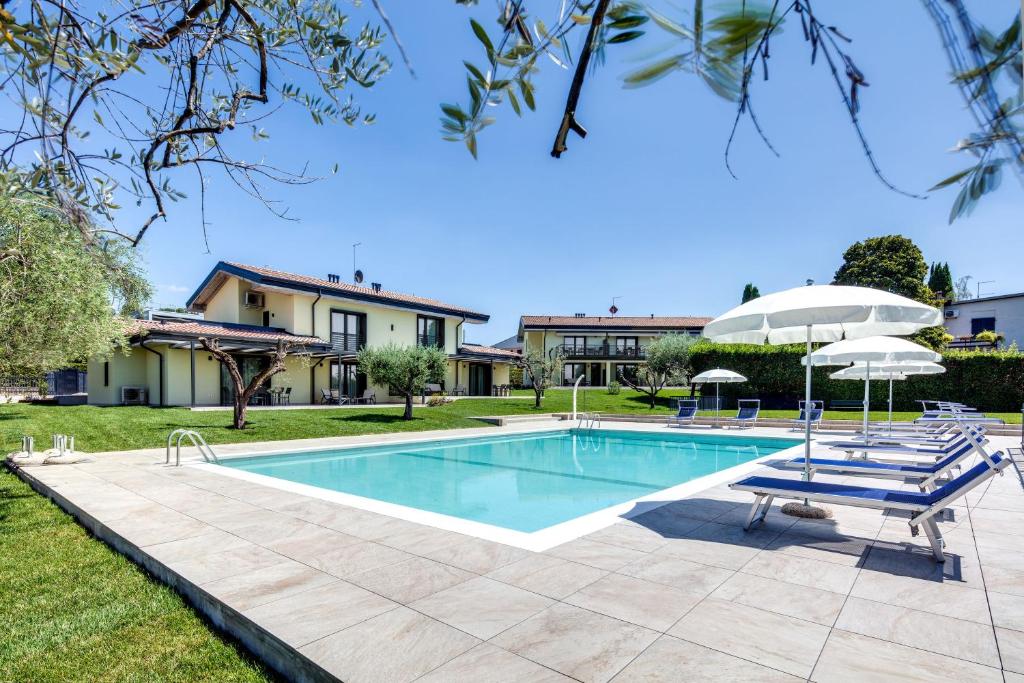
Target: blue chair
{"x": 746, "y": 413}
{"x": 817, "y": 409}
{"x": 687, "y": 413}
{"x": 922, "y": 506}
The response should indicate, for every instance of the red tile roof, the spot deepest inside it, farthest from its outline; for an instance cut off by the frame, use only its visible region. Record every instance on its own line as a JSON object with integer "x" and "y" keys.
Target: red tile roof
{"x": 383, "y": 295}
{"x": 199, "y": 328}
{"x": 617, "y": 322}
{"x": 488, "y": 350}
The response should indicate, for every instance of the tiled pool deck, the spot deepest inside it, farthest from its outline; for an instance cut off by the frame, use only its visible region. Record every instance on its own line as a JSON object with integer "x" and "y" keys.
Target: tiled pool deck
{"x": 678, "y": 593}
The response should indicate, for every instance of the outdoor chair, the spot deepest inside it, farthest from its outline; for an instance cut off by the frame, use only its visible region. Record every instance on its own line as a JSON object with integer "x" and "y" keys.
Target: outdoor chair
{"x": 325, "y": 396}
{"x": 817, "y": 409}
{"x": 922, "y": 506}
{"x": 687, "y": 412}
{"x": 924, "y": 475}
{"x": 746, "y": 413}
{"x": 460, "y": 390}
{"x": 286, "y": 396}
{"x": 971, "y": 436}
{"x": 369, "y": 396}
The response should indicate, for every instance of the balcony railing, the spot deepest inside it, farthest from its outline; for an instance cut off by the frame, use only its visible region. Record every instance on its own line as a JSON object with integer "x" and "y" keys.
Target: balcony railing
{"x": 429, "y": 340}
{"x": 603, "y": 351}
{"x": 347, "y": 343}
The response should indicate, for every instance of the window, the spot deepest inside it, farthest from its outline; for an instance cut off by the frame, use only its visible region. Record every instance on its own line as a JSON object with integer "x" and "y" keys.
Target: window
{"x": 429, "y": 331}
{"x": 266, "y": 318}
{"x": 573, "y": 371}
{"x": 626, "y": 346}
{"x": 575, "y": 345}
{"x": 348, "y": 331}
{"x": 625, "y": 370}
{"x": 106, "y": 373}
{"x": 981, "y": 324}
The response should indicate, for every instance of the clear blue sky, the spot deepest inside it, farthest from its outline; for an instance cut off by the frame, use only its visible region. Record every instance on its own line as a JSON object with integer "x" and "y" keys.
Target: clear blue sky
{"x": 643, "y": 208}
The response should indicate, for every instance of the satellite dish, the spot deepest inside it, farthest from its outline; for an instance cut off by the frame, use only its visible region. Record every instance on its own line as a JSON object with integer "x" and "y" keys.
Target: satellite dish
{"x": 614, "y": 309}
{"x": 358, "y": 276}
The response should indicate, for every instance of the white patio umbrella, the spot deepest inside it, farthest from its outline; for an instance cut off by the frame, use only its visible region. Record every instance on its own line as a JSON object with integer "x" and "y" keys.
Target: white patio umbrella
{"x": 891, "y": 372}
{"x": 824, "y": 313}
{"x": 870, "y": 350}
{"x": 718, "y": 376}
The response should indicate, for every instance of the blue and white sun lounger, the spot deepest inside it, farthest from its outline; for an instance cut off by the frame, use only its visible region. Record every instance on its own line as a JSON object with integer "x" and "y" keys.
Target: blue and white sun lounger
{"x": 746, "y": 413}
{"x": 687, "y": 411}
{"x": 924, "y": 475}
{"x": 923, "y": 506}
{"x": 970, "y": 436}
{"x": 817, "y": 409}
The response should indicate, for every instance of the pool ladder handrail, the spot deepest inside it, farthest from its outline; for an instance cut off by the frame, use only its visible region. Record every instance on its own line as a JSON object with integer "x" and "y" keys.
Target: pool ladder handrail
{"x": 589, "y": 420}
{"x": 197, "y": 440}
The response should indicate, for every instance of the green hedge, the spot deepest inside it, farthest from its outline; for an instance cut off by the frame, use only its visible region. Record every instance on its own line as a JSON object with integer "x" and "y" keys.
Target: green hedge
{"x": 988, "y": 380}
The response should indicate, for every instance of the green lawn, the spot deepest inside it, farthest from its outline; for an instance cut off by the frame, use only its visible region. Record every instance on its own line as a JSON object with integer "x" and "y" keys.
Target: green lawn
{"x": 73, "y": 609}
{"x": 100, "y": 429}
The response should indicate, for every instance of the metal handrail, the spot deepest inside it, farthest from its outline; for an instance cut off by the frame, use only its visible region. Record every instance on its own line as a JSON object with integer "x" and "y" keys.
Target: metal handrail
{"x": 197, "y": 441}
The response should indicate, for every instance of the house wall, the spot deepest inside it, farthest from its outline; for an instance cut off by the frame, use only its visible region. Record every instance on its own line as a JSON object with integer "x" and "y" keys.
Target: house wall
{"x": 1009, "y": 315}
{"x": 225, "y": 304}
{"x": 124, "y": 370}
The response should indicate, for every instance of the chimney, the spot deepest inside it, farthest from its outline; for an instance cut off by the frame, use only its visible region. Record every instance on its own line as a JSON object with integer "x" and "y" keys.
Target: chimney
{"x": 581, "y": 315}
{"x": 331, "y": 277}
{"x": 376, "y": 286}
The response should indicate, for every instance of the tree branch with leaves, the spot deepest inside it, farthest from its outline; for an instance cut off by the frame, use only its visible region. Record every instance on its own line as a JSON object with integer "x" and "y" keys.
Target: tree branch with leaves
{"x": 542, "y": 370}
{"x": 243, "y": 392}
{"x": 666, "y": 359}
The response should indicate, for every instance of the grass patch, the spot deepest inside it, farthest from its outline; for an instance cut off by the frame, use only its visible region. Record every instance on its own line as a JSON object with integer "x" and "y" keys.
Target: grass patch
{"x": 74, "y": 609}
{"x": 121, "y": 428}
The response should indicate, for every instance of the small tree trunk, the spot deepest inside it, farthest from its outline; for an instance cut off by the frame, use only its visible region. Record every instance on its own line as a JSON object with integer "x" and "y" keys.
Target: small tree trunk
{"x": 654, "y": 395}
{"x": 241, "y": 404}
{"x": 537, "y": 393}
{"x": 408, "y": 406}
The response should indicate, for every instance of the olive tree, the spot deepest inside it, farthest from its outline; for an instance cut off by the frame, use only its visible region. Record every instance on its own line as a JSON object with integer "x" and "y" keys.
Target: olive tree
{"x": 543, "y": 370}
{"x": 666, "y": 360}
{"x": 61, "y": 289}
{"x": 406, "y": 370}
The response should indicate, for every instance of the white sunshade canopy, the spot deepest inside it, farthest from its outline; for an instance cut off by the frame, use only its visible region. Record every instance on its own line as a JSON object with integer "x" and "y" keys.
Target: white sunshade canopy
{"x": 834, "y": 311}
{"x": 873, "y": 350}
{"x": 718, "y": 375}
{"x": 885, "y": 371}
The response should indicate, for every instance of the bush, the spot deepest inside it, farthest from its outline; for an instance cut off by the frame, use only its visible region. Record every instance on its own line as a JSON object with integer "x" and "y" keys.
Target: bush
{"x": 614, "y": 388}
{"x": 436, "y": 400}
{"x": 988, "y": 380}
{"x": 988, "y": 336}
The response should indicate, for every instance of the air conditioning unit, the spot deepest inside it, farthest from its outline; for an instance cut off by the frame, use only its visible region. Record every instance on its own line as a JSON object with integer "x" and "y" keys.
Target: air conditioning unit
{"x": 133, "y": 396}
{"x": 253, "y": 299}
{"x": 952, "y": 313}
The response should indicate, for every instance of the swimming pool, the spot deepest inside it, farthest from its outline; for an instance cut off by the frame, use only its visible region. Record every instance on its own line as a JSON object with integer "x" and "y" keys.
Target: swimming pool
{"x": 524, "y": 482}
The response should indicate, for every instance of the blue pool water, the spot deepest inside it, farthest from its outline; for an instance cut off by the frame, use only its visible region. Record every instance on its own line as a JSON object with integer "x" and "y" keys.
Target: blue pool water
{"x": 524, "y": 482}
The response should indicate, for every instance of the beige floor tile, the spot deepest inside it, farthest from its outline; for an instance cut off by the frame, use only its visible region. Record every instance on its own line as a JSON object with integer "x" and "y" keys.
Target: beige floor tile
{"x": 665, "y": 521}
{"x": 266, "y": 584}
{"x": 998, "y": 522}
{"x": 1011, "y": 648}
{"x": 719, "y": 545}
{"x": 953, "y": 637}
{"x": 770, "y": 639}
{"x": 836, "y": 548}
{"x": 670, "y": 660}
{"x": 596, "y": 554}
{"x": 304, "y": 617}
{"x": 630, "y": 536}
{"x": 477, "y": 555}
{"x": 802, "y": 602}
{"x": 206, "y": 543}
{"x": 577, "y": 642}
{"x": 1005, "y": 580}
{"x": 547, "y": 575}
{"x": 310, "y": 540}
{"x": 162, "y": 528}
{"x": 802, "y": 571}
{"x": 936, "y": 597}
{"x": 486, "y": 663}
{"x": 352, "y": 559}
{"x": 394, "y": 647}
{"x": 204, "y": 568}
{"x": 410, "y": 579}
{"x": 852, "y": 657}
{"x": 421, "y": 540}
{"x": 679, "y": 573}
{"x": 1007, "y": 610}
{"x": 652, "y": 605}
{"x": 482, "y": 607}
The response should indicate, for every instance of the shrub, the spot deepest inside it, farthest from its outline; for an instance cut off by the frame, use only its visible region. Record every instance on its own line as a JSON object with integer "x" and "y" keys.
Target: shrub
{"x": 988, "y": 380}
{"x": 988, "y": 336}
{"x": 438, "y": 400}
{"x": 614, "y": 388}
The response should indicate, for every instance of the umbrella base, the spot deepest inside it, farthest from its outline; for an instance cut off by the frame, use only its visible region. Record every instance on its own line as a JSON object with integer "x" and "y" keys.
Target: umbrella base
{"x": 806, "y": 511}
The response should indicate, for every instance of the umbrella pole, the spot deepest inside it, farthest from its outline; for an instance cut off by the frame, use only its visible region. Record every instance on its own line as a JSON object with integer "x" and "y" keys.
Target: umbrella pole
{"x": 867, "y": 400}
{"x": 890, "y": 404}
{"x": 807, "y": 414}
{"x": 717, "y": 407}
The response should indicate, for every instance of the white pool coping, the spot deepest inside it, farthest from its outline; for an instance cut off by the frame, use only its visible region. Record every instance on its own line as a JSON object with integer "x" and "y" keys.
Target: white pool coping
{"x": 537, "y": 541}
